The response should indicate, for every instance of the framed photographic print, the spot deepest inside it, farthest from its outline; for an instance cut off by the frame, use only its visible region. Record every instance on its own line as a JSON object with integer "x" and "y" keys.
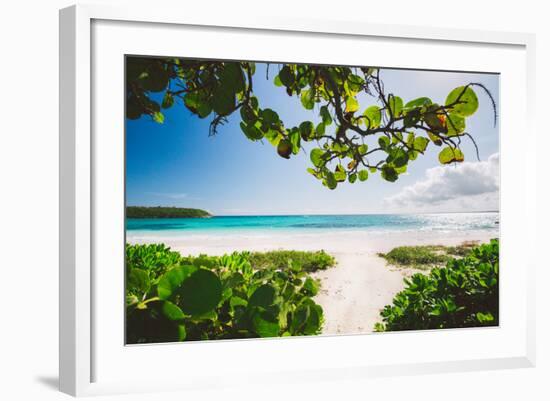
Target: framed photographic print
{"x": 297, "y": 208}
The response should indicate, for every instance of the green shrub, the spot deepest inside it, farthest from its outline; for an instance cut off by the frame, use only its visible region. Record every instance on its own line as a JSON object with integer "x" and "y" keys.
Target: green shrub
{"x": 463, "y": 249}
{"x": 173, "y": 298}
{"x": 426, "y": 256}
{"x": 309, "y": 261}
{"x": 415, "y": 256}
{"x": 154, "y": 258}
{"x": 462, "y": 294}
{"x": 155, "y": 212}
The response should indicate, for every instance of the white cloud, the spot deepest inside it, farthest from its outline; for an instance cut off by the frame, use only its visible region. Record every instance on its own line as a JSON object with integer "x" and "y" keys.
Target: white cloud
{"x": 469, "y": 186}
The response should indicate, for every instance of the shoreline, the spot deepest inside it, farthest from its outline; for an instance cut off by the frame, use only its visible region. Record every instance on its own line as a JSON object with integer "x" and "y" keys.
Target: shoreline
{"x": 355, "y": 290}
{"x": 336, "y": 241}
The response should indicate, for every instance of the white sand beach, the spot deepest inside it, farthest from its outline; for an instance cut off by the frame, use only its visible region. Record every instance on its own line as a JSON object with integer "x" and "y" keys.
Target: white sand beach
{"x": 357, "y": 288}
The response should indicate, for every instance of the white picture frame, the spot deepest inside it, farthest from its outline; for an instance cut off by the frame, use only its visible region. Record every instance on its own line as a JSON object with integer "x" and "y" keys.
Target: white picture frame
{"x": 82, "y": 344}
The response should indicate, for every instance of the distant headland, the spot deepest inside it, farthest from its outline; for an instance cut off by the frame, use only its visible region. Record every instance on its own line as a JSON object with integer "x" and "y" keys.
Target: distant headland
{"x": 156, "y": 212}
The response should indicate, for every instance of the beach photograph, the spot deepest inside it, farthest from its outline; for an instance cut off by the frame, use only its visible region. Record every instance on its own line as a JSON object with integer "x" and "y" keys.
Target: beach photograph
{"x": 269, "y": 199}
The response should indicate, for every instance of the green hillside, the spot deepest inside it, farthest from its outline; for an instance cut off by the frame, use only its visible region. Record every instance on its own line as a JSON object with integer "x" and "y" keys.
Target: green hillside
{"x": 143, "y": 212}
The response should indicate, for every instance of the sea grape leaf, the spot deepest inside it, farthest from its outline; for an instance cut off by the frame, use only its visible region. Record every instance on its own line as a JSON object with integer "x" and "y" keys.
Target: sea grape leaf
{"x": 310, "y": 287}
{"x": 232, "y": 77}
{"x": 419, "y": 102}
{"x": 412, "y": 117}
{"x": 197, "y": 103}
{"x": 210, "y": 315}
{"x": 172, "y": 279}
{"x": 136, "y": 67}
{"x": 316, "y": 156}
{"x": 138, "y": 281}
{"x": 158, "y": 117}
{"x": 420, "y": 143}
{"x": 172, "y": 311}
{"x": 237, "y": 301}
{"x": 274, "y": 137}
{"x": 251, "y": 131}
{"x": 401, "y": 170}
{"x": 468, "y": 102}
{"x": 231, "y": 82}
{"x": 200, "y": 292}
{"x": 450, "y": 155}
{"x": 269, "y": 116}
{"x": 363, "y": 149}
{"x": 325, "y": 115}
{"x": 307, "y": 99}
{"x": 363, "y": 175}
{"x": 156, "y": 78}
{"x": 265, "y": 325}
{"x": 299, "y": 318}
{"x": 320, "y": 130}
{"x": 373, "y": 117}
{"x": 355, "y": 83}
{"x": 295, "y": 141}
{"x": 263, "y": 296}
{"x": 435, "y": 139}
{"x": 134, "y": 109}
{"x": 286, "y": 76}
{"x": 399, "y": 157}
{"x": 223, "y": 100}
{"x": 396, "y": 106}
{"x": 331, "y": 180}
{"x": 456, "y": 124}
{"x": 306, "y": 130}
{"x": 182, "y": 332}
{"x": 340, "y": 173}
{"x": 352, "y": 105}
{"x": 314, "y": 321}
{"x": 389, "y": 173}
{"x": 384, "y": 142}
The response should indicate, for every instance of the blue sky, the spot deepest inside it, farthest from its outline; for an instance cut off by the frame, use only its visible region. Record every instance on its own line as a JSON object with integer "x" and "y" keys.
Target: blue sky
{"x": 178, "y": 164}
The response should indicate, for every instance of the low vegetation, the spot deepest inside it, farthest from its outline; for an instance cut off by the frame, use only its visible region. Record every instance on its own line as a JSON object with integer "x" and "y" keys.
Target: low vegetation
{"x": 309, "y": 261}
{"x": 170, "y": 297}
{"x": 174, "y": 298}
{"x": 144, "y": 212}
{"x": 426, "y": 256}
{"x": 464, "y": 293}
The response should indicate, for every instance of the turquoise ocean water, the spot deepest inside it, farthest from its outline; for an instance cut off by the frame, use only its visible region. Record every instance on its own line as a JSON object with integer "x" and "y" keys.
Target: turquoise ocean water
{"x": 444, "y": 222}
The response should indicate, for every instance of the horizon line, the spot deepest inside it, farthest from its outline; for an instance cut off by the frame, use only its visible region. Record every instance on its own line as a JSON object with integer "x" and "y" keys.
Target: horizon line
{"x": 347, "y": 214}
{"x": 322, "y": 214}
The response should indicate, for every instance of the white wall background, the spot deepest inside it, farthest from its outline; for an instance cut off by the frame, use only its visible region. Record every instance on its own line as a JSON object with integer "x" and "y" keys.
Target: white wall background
{"x": 29, "y": 196}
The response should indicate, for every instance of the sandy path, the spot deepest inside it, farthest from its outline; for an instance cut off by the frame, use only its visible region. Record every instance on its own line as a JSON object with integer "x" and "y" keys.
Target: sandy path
{"x": 354, "y": 292}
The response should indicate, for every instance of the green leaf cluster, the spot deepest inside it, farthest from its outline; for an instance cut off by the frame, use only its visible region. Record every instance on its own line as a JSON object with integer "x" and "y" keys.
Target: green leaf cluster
{"x": 340, "y": 129}
{"x": 464, "y": 293}
{"x": 242, "y": 295}
{"x": 203, "y": 87}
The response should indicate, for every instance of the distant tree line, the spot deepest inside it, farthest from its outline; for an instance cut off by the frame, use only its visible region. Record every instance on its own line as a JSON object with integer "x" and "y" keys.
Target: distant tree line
{"x": 142, "y": 212}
